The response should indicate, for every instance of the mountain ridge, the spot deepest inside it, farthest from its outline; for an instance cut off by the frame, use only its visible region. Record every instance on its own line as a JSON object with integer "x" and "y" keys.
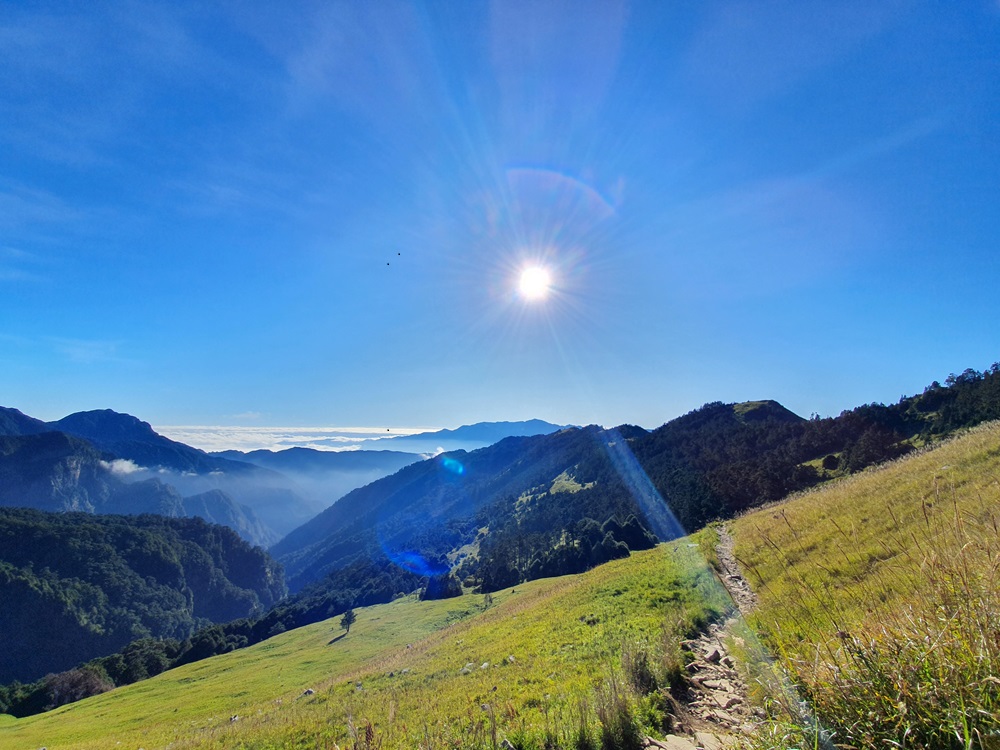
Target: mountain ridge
{"x": 713, "y": 462}
{"x": 262, "y": 504}
{"x": 127, "y": 436}
{"x": 15, "y": 422}
{"x": 466, "y": 437}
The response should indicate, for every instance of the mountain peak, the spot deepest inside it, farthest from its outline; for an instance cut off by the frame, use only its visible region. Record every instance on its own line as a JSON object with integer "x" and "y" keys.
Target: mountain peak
{"x": 15, "y": 422}
{"x": 105, "y": 425}
{"x": 760, "y": 411}
{"x": 467, "y": 437}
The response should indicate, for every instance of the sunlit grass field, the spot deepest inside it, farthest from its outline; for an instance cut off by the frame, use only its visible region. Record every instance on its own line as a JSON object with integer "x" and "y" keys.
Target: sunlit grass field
{"x": 880, "y": 595}
{"x": 432, "y": 674}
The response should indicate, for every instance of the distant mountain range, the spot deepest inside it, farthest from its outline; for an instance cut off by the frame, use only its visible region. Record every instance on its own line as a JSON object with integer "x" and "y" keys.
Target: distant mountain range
{"x": 467, "y": 438}
{"x": 56, "y": 471}
{"x": 106, "y": 462}
{"x": 103, "y": 461}
{"x": 325, "y": 476}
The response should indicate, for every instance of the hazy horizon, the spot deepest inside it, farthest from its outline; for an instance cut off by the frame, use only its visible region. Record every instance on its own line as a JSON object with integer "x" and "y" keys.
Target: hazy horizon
{"x": 248, "y": 438}
{"x": 255, "y": 437}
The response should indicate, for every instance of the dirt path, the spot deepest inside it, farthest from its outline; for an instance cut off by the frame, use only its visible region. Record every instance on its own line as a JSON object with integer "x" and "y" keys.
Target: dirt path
{"x": 717, "y": 706}
{"x": 732, "y": 578}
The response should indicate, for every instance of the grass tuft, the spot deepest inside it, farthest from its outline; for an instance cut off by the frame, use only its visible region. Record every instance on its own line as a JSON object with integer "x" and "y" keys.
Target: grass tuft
{"x": 619, "y": 728}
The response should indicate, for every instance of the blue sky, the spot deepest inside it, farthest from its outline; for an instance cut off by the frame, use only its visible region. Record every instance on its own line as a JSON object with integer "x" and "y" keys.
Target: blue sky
{"x": 316, "y": 213}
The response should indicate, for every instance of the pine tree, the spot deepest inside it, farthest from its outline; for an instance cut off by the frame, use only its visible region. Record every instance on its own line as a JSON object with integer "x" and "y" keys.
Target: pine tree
{"x": 348, "y": 619}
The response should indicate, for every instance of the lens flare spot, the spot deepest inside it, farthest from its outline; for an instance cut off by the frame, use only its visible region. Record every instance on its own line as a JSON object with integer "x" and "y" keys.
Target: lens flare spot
{"x": 535, "y": 283}
{"x": 453, "y": 465}
{"x": 414, "y": 562}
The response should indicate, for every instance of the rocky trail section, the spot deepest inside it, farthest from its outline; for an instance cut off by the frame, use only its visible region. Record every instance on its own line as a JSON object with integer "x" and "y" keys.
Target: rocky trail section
{"x": 717, "y": 707}
{"x": 737, "y": 586}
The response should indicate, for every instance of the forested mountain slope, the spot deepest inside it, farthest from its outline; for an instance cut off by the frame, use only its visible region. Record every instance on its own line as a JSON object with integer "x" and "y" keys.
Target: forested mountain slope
{"x": 535, "y": 506}
{"x": 75, "y": 586}
{"x": 426, "y": 510}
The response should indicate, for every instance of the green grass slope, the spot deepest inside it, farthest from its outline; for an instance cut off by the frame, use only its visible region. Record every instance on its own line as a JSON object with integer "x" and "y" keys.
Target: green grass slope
{"x": 452, "y": 672}
{"x": 880, "y": 594}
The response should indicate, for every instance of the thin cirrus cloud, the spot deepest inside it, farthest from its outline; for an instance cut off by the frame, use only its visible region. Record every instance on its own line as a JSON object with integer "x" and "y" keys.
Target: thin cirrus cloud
{"x": 22, "y": 206}
{"x": 800, "y": 228}
{"x": 19, "y": 265}
{"x": 740, "y": 58}
{"x": 352, "y": 50}
{"x": 87, "y": 351}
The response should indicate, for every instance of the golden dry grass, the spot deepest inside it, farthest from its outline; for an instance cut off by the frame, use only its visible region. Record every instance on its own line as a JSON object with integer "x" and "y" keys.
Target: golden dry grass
{"x": 880, "y": 596}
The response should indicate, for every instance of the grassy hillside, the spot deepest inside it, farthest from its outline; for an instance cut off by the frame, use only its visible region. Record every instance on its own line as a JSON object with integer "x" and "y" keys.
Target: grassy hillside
{"x": 415, "y": 670}
{"x": 880, "y": 595}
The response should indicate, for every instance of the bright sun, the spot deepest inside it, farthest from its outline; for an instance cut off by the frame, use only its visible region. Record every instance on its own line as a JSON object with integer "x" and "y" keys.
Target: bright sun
{"x": 534, "y": 283}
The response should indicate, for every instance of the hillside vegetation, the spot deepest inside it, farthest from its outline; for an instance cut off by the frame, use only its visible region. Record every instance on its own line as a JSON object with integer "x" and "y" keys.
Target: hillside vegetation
{"x": 880, "y": 595}
{"x": 535, "y": 664}
{"x": 75, "y": 586}
{"x": 516, "y": 508}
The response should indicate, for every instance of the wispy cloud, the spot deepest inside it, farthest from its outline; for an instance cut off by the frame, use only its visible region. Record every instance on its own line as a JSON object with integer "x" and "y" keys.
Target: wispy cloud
{"x": 745, "y": 54}
{"x": 800, "y": 228}
{"x": 351, "y": 50}
{"x": 122, "y": 467}
{"x": 9, "y": 338}
{"x": 87, "y": 351}
{"x": 19, "y": 265}
{"x": 22, "y": 206}
{"x": 80, "y": 78}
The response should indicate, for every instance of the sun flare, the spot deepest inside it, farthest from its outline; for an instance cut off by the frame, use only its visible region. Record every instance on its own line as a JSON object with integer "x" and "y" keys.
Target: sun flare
{"x": 534, "y": 283}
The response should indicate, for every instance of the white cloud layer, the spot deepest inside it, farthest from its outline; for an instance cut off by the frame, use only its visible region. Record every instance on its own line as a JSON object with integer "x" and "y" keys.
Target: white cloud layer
{"x": 251, "y": 438}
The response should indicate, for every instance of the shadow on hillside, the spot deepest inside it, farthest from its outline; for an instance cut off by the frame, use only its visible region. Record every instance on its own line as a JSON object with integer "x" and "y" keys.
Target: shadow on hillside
{"x": 342, "y": 635}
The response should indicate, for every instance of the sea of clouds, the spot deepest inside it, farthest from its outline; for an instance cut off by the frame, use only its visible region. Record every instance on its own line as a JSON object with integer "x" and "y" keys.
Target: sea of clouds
{"x": 251, "y": 438}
